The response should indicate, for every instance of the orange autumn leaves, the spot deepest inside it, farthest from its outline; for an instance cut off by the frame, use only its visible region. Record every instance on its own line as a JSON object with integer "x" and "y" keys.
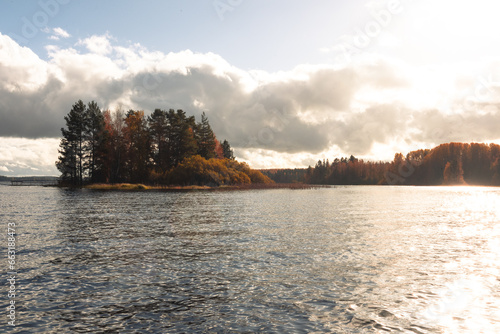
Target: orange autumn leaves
{"x": 446, "y": 164}
{"x": 196, "y": 170}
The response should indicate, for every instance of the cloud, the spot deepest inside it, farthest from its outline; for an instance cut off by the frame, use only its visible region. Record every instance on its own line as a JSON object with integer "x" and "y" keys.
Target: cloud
{"x": 61, "y": 32}
{"x": 22, "y": 156}
{"x": 58, "y": 34}
{"x": 378, "y": 124}
{"x": 372, "y": 104}
{"x": 97, "y": 44}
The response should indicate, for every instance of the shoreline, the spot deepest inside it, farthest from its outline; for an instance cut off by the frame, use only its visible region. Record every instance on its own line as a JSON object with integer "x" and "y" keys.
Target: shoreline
{"x": 143, "y": 187}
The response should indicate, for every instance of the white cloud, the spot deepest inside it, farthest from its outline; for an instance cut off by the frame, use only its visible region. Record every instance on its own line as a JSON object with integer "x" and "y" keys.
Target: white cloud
{"x": 20, "y": 68}
{"x": 22, "y": 156}
{"x": 369, "y": 108}
{"x": 97, "y": 44}
{"x": 60, "y": 32}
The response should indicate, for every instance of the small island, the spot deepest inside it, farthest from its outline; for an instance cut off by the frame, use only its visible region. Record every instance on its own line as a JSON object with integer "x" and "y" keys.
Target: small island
{"x": 166, "y": 150}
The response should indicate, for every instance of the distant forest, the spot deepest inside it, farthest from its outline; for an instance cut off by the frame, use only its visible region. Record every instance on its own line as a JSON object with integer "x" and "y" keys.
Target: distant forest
{"x": 165, "y": 148}
{"x": 446, "y": 164}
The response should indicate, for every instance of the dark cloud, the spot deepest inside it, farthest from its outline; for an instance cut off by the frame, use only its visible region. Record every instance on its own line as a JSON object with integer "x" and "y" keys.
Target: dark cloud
{"x": 33, "y": 114}
{"x": 435, "y": 127}
{"x": 377, "y": 124}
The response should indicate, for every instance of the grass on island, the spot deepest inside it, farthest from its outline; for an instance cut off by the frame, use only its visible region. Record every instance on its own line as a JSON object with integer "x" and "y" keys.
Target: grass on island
{"x": 140, "y": 186}
{"x": 118, "y": 186}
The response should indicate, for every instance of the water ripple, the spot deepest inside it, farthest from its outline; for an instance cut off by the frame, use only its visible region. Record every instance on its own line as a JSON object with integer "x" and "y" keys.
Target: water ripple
{"x": 341, "y": 260}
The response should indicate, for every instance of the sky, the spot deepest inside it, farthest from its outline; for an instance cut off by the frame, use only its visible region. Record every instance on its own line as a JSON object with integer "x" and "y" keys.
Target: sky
{"x": 285, "y": 82}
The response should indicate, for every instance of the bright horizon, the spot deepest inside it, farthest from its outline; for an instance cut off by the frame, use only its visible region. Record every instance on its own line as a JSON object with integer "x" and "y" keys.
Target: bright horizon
{"x": 286, "y": 83}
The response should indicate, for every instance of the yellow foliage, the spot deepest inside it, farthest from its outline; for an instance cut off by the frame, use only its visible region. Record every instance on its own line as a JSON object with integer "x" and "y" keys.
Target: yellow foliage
{"x": 196, "y": 170}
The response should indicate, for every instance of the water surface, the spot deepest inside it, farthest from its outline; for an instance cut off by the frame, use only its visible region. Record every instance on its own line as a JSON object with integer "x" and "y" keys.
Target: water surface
{"x": 342, "y": 260}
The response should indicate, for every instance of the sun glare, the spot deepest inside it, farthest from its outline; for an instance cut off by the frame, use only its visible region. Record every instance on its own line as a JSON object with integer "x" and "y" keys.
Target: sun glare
{"x": 460, "y": 305}
{"x": 453, "y": 29}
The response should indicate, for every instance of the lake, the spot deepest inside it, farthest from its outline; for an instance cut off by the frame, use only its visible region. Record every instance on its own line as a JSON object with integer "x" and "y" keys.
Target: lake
{"x": 357, "y": 259}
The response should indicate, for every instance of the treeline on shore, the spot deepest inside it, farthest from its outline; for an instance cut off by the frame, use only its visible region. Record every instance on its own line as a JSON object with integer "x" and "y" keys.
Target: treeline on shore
{"x": 28, "y": 178}
{"x": 446, "y": 164}
{"x": 165, "y": 148}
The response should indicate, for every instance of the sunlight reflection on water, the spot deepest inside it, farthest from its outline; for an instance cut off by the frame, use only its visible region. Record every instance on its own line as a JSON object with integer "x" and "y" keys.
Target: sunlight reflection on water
{"x": 469, "y": 304}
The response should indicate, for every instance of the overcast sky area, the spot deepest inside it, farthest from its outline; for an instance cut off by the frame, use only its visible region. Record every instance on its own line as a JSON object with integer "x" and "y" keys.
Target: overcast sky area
{"x": 285, "y": 82}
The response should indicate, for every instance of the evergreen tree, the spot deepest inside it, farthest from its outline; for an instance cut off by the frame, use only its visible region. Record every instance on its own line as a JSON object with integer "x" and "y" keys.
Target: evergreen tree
{"x": 182, "y": 143}
{"x": 205, "y": 138}
{"x": 227, "y": 151}
{"x": 158, "y": 128}
{"x": 66, "y": 163}
{"x": 71, "y": 160}
{"x": 94, "y": 146}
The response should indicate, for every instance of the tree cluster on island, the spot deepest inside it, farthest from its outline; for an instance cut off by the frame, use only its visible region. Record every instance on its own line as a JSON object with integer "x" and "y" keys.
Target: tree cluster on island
{"x": 446, "y": 164}
{"x": 165, "y": 148}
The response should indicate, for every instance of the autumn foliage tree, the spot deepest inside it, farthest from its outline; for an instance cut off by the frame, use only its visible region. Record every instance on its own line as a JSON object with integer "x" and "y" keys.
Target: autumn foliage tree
{"x": 446, "y": 164}
{"x": 199, "y": 171}
{"x": 137, "y": 146}
{"x": 114, "y": 146}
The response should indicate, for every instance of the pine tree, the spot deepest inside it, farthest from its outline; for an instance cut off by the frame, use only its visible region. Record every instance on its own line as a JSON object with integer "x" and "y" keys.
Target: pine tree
{"x": 158, "y": 128}
{"x": 71, "y": 160}
{"x": 181, "y": 137}
{"x": 206, "y": 139}
{"x": 66, "y": 163}
{"x": 94, "y": 146}
{"x": 227, "y": 151}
